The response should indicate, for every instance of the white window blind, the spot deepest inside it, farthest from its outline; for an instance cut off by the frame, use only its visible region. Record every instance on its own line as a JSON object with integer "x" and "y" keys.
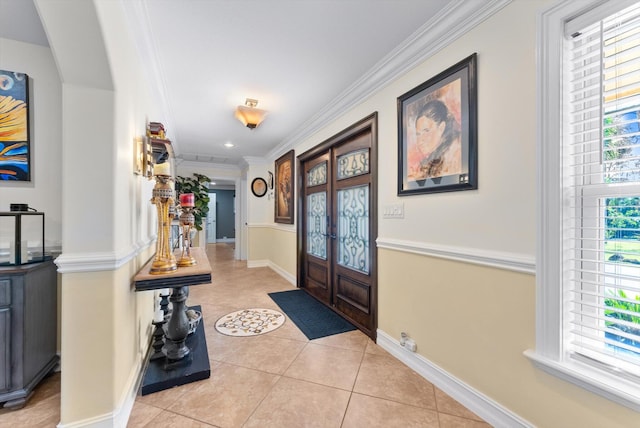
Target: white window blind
{"x": 601, "y": 194}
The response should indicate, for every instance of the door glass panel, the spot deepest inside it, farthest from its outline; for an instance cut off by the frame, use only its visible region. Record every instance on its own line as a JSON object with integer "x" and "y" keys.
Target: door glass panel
{"x": 353, "y": 228}
{"x": 353, "y": 163}
{"x": 317, "y": 175}
{"x": 317, "y": 224}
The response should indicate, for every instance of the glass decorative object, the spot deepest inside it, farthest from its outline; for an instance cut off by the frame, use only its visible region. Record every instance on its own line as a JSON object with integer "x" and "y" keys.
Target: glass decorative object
{"x": 187, "y": 219}
{"x": 21, "y": 237}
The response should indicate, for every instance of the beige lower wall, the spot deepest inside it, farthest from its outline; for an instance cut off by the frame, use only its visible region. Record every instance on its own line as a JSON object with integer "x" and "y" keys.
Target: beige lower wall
{"x": 105, "y": 333}
{"x": 475, "y": 322}
{"x": 259, "y": 243}
{"x": 273, "y": 244}
{"x": 283, "y": 253}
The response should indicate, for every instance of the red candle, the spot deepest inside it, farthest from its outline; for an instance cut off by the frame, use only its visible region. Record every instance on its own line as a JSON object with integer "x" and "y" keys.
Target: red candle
{"x": 187, "y": 200}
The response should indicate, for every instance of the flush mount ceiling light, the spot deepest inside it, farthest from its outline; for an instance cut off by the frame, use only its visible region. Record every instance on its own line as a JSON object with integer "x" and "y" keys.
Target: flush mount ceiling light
{"x": 249, "y": 115}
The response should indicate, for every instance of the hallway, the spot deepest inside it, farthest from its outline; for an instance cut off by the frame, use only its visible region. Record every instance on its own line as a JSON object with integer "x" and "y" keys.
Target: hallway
{"x": 279, "y": 379}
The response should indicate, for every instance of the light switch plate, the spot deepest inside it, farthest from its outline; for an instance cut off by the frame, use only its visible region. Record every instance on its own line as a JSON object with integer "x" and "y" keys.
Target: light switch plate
{"x": 393, "y": 211}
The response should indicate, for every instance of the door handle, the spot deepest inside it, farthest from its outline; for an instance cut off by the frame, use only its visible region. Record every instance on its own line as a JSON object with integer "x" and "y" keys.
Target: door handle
{"x": 329, "y": 235}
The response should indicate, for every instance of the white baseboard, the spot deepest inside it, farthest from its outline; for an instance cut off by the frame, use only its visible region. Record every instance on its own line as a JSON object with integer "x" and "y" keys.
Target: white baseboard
{"x": 120, "y": 415}
{"x": 257, "y": 263}
{"x": 483, "y": 406}
{"x": 277, "y": 269}
{"x": 283, "y": 273}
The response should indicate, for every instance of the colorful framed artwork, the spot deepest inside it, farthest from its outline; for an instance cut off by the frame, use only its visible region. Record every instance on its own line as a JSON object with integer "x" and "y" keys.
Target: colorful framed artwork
{"x": 15, "y": 153}
{"x": 437, "y": 133}
{"x": 284, "y": 188}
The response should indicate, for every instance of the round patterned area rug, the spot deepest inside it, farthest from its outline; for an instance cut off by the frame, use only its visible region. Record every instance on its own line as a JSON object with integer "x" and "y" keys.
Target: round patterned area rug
{"x": 250, "y": 322}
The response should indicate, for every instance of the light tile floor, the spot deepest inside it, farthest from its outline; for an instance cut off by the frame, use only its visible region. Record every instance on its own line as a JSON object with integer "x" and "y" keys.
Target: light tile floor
{"x": 279, "y": 379}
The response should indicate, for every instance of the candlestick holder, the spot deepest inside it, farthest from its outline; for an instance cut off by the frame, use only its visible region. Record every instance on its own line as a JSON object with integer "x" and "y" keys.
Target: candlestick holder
{"x": 158, "y": 340}
{"x": 164, "y": 260}
{"x": 164, "y": 302}
{"x": 187, "y": 220}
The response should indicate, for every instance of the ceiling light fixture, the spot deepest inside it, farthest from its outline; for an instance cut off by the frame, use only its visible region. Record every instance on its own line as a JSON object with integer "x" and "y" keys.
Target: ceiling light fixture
{"x": 249, "y": 115}
{"x": 228, "y": 145}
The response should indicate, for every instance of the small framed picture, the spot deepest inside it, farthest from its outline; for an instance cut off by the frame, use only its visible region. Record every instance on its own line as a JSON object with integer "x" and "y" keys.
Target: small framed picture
{"x": 259, "y": 187}
{"x": 437, "y": 133}
{"x": 284, "y": 188}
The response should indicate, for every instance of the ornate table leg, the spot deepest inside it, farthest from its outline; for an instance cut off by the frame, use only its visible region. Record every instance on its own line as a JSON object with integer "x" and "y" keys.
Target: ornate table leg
{"x": 178, "y": 327}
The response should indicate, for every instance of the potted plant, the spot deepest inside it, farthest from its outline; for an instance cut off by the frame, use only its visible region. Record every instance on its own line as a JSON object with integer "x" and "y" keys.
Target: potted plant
{"x": 199, "y": 186}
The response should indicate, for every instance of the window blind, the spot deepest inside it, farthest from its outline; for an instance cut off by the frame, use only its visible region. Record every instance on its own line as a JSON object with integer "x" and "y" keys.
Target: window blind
{"x": 601, "y": 194}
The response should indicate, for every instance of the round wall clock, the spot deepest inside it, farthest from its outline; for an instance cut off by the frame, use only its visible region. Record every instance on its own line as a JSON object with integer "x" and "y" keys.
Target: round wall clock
{"x": 259, "y": 187}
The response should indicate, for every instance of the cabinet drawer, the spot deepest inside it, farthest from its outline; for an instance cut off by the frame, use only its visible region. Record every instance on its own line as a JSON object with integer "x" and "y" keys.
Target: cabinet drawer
{"x": 5, "y": 292}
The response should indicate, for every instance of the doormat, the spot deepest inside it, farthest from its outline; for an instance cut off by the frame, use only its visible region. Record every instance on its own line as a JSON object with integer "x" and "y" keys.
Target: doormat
{"x": 249, "y": 322}
{"x": 309, "y": 315}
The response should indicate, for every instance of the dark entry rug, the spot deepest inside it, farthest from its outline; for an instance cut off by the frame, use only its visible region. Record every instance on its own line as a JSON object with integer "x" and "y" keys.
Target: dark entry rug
{"x": 309, "y": 315}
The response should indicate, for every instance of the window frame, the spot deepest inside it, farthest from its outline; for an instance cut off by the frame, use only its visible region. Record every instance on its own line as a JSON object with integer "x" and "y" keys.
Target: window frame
{"x": 549, "y": 354}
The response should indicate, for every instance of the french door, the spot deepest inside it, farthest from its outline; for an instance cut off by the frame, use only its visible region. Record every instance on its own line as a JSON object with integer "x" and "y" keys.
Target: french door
{"x": 337, "y": 224}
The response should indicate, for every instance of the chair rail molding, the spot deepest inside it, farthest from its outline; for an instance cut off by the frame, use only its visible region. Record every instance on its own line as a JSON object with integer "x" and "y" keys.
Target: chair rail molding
{"x": 99, "y": 261}
{"x": 508, "y": 261}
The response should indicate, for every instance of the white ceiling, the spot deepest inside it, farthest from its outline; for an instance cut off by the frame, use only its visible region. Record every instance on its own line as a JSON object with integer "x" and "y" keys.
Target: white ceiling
{"x": 205, "y": 57}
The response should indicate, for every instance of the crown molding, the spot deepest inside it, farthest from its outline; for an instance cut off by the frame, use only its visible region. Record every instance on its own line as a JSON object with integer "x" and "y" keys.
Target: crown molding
{"x": 209, "y": 165}
{"x": 256, "y": 160}
{"x": 137, "y": 15}
{"x": 453, "y": 21}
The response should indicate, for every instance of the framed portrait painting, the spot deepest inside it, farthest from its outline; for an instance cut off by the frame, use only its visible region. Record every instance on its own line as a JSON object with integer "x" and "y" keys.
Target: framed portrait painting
{"x": 284, "y": 188}
{"x": 437, "y": 133}
{"x": 15, "y": 153}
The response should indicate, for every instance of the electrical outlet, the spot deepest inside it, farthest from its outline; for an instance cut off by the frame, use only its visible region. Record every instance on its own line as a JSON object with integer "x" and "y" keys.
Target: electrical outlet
{"x": 407, "y": 342}
{"x": 410, "y": 344}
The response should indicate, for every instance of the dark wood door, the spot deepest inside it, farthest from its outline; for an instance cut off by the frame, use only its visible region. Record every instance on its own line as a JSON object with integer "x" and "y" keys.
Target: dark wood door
{"x": 318, "y": 248}
{"x": 337, "y": 227}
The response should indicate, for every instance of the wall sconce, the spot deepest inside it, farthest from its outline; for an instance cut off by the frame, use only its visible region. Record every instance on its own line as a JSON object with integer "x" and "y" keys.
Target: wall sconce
{"x": 138, "y": 155}
{"x": 249, "y": 115}
{"x": 143, "y": 157}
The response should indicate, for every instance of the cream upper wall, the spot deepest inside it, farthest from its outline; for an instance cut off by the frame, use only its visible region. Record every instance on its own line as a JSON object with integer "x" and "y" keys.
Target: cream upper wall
{"x": 134, "y": 215}
{"x": 500, "y": 215}
{"x": 472, "y": 321}
{"x": 107, "y": 214}
{"x": 260, "y": 210}
{"x": 43, "y": 191}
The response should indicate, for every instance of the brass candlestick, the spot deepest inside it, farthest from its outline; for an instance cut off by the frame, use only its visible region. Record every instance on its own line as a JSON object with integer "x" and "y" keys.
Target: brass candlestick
{"x": 164, "y": 260}
{"x": 187, "y": 220}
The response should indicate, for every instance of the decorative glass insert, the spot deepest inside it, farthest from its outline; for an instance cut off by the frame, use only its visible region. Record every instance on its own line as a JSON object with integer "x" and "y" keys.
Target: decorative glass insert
{"x": 353, "y": 163}
{"x": 353, "y": 228}
{"x": 317, "y": 175}
{"x": 317, "y": 224}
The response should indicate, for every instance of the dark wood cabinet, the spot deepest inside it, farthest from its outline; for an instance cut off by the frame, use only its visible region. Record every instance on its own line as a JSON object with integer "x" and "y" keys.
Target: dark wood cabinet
{"x": 28, "y": 326}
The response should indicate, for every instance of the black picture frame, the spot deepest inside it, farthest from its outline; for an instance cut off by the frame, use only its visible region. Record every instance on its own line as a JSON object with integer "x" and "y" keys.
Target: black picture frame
{"x": 284, "y": 188}
{"x": 437, "y": 132}
{"x": 259, "y": 187}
